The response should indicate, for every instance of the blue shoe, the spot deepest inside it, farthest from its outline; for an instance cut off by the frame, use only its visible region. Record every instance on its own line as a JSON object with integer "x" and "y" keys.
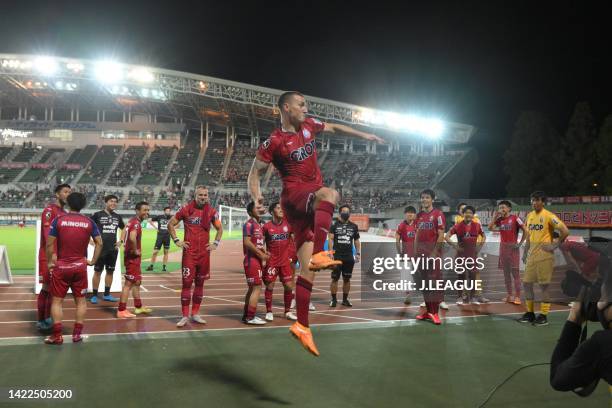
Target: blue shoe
{"x": 110, "y": 298}
{"x": 44, "y": 325}
{"x": 94, "y": 300}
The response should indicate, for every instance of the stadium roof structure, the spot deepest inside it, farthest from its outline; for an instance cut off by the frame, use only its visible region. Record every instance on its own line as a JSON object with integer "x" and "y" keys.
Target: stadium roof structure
{"x": 39, "y": 82}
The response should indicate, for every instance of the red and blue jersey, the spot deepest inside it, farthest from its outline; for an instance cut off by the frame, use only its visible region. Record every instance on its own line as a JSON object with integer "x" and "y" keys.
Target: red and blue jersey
{"x": 407, "y": 234}
{"x": 197, "y": 222}
{"x": 278, "y": 241}
{"x": 509, "y": 228}
{"x": 72, "y": 232}
{"x": 294, "y": 154}
{"x": 467, "y": 235}
{"x": 132, "y": 225}
{"x": 254, "y": 231}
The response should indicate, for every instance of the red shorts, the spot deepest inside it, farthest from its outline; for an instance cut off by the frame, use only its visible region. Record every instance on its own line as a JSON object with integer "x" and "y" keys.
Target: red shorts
{"x": 195, "y": 267}
{"x": 508, "y": 256}
{"x": 285, "y": 274}
{"x": 69, "y": 274}
{"x": 297, "y": 205}
{"x": 133, "y": 272}
{"x": 253, "y": 273}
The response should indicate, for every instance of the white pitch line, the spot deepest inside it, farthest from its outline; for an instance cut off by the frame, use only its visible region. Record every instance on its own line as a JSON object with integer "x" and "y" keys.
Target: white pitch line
{"x": 375, "y": 324}
{"x": 165, "y": 287}
{"x": 347, "y": 317}
{"x": 143, "y": 288}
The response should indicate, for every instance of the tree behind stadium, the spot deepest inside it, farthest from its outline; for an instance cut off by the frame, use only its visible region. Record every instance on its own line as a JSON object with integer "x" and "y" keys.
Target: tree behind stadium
{"x": 532, "y": 161}
{"x": 578, "y": 154}
{"x": 604, "y": 154}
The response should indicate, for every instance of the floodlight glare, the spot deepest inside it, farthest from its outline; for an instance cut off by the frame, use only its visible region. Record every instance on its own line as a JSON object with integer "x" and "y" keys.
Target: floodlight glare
{"x": 141, "y": 74}
{"x": 46, "y": 65}
{"x": 108, "y": 71}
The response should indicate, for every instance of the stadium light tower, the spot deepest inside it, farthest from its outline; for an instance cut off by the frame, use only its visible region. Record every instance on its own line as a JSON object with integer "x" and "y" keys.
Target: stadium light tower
{"x": 46, "y": 66}
{"x": 141, "y": 74}
{"x": 108, "y": 71}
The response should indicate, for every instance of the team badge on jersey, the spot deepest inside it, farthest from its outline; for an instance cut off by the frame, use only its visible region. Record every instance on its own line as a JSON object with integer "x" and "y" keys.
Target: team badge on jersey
{"x": 306, "y": 133}
{"x": 266, "y": 143}
{"x": 285, "y": 229}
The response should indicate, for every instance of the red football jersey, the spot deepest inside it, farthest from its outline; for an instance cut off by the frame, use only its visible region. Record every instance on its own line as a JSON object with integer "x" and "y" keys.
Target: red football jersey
{"x": 407, "y": 233}
{"x": 586, "y": 257}
{"x": 509, "y": 228}
{"x": 72, "y": 232}
{"x": 277, "y": 237}
{"x": 197, "y": 222}
{"x": 467, "y": 235}
{"x": 49, "y": 214}
{"x": 428, "y": 225}
{"x": 294, "y": 154}
{"x": 254, "y": 231}
{"x": 132, "y": 225}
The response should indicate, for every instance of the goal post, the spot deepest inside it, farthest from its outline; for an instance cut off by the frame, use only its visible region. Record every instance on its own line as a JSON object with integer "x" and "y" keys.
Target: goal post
{"x": 6, "y": 278}
{"x": 232, "y": 218}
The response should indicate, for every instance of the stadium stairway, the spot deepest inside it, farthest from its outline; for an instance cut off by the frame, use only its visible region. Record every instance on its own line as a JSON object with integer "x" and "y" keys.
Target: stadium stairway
{"x": 226, "y": 162}
{"x": 144, "y": 159}
{"x": 402, "y": 174}
{"x": 115, "y": 163}
{"x": 35, "y": 159}
{"x": 196, "y": 168}
{"x": 166, "y": 173}
{"x": 85, "y": 167}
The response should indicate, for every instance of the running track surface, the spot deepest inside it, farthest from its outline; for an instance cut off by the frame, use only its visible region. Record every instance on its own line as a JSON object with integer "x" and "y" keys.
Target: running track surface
{"x": 223, "y": 304}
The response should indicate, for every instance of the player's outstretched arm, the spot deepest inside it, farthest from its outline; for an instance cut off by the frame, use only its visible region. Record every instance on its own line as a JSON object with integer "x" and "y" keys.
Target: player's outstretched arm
{"x": 172, "y": 230}
{"x": 97, "y": 251}
{"x": 349, "y": 131}
{"x": 258, "y": 168}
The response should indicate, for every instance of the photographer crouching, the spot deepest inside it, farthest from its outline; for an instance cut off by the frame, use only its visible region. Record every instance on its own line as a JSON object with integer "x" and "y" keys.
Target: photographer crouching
{"x": 577, "y": 363}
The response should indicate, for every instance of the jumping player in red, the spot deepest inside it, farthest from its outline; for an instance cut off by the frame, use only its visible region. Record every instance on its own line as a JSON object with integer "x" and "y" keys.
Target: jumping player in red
{"x": 66, "y": 251}
{"x": 307, "y": 204}
{"x": 277, "y": 234}
{"x": 509, "y": 226}
{"x": 132, "y": 257}
{"x": 470, "y": 239}
{"x": 255, "y": 258}
{"x": 197, "y": 216}
{"x": 404, "y": 238}
{"x": 51, "y": 211}
{"x": 430, "y": 234}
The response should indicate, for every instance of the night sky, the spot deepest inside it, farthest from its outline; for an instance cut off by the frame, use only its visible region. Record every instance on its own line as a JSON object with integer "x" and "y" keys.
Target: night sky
{"x": 471, "y": 62}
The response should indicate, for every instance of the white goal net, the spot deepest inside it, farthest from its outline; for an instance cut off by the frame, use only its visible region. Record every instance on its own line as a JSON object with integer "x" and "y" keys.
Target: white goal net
{"x": 232, "y": 218}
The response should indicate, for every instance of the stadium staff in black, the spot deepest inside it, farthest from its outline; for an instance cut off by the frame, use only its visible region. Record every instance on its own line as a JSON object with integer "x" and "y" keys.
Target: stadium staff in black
{"x": 342, "y": 235}
{"x": 108, "y": 221}
{"x": 163, "y": 237}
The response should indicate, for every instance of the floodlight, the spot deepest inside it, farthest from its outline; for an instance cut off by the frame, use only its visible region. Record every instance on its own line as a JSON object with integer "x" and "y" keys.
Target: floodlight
{"x": 108, "y": 71}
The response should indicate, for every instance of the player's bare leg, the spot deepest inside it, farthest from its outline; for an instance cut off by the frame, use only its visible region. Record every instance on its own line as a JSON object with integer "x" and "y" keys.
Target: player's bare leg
{"x": 346, "y": 288}
{"x": 333, "y": 290}
{"x": 122, "y": 311}
{"x": 57, "y": 315}
{"x": 166, "y": 252}
{"x": 154, "y": 258}
{"x": 269, "y": 292}
{"x": 81, "y": 310}
{"x": 95, "y": 284}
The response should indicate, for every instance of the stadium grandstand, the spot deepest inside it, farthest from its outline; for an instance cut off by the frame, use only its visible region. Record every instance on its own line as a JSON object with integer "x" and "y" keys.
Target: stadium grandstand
{"x": 154, "y": 134}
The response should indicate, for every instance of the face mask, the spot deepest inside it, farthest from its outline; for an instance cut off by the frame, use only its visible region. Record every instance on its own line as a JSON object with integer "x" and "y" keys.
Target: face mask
{"x": 344, "y": 216}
